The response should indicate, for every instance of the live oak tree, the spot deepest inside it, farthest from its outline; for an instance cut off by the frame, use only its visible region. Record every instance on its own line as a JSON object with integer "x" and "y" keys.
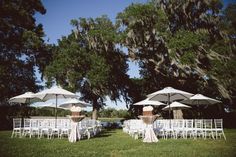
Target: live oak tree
{"x": 181, "y": 44}
{"x": 90, "y": 61}
{"x": 22, "y": 48}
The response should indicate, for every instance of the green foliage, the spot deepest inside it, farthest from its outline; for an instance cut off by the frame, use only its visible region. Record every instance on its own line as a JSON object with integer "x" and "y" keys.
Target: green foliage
{"x": 229, "y": 17}
{"x": 177, "y": 43}
{"x": 88, "y": 61}
{"x": 188, "y": 58}
{"x": 99, "y": 72}
{"x": 185, "y": 40}
{"x": 222, "y": 47}
{"x": 113, "y": 113}
{"x": 21, "y": 47}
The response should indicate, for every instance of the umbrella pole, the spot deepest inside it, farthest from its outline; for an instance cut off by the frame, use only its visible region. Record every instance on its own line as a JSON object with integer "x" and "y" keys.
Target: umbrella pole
{"x": 56, "y": 113}
{"x": 168, "y": 103}
{"x": 198, "y": 113}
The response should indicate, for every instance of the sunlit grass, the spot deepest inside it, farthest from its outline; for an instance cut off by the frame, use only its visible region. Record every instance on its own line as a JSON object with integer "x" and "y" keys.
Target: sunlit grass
{"x": 115, "y": 143}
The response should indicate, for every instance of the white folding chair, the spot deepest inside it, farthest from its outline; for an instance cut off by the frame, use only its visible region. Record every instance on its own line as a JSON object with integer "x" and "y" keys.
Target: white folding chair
{"x": 218, "y": 129}
{"x": 188, "y": 129}
{"x": 66, "y": 127}
{"x": 158, "y": 127}
{"x": 90, "y": 125}
{"x": 34, "y": 127}
{"x": 44, "y": 128}
{"x": 99, "y": 126}
{"x": 16, "y": 127}
{"x": 54, "y": 129}
{"x": 198, "y": 128}
{"x": 137, "y": 128}
{"x": 207, "y": 128}
{"x": 169, "y": 128}
{"x": 26, "y": 128}
{"x": 179, "y": 129}
{"x": 83, "y": 129}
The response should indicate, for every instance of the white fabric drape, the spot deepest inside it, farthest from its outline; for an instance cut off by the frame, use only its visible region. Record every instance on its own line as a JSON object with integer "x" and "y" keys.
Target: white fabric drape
{"x": 74, "y": 135}
{"x": 149, "y": 134}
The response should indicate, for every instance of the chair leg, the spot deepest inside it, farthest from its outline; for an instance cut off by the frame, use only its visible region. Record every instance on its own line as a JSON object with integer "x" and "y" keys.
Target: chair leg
{"x": 212, "y": 135}
{"x": 224, "y": 135}
{"x": 12, "y": 135}
{"x": 216, "y": 135}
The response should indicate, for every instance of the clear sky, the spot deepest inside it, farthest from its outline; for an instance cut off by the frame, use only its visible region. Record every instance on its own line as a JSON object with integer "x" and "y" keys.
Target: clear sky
{"x": 56, "y": 21}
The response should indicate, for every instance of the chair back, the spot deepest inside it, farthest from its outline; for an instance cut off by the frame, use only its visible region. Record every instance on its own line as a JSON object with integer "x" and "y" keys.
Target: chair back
{"x": 189, "y": 123}
{"x": 198, "y": 124}
{"x": 16, "y": 123}
{"x": 218, "y": 123}
{"x": 207, "y": 123}
{"x": 26, "y": 122}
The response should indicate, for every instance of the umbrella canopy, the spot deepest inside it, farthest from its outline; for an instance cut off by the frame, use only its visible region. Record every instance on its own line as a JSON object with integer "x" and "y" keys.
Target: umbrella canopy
{"x": 168, "y": 95}
{"x": 200, "y": 99}
{"x": 175, "y": 106}
{"x": 45, "y": 104}
{"x": 69, "y": 103}
{"x": 149, "y": 102}
{"x": 27, "y": 97}
{"x": 55, "y": 93}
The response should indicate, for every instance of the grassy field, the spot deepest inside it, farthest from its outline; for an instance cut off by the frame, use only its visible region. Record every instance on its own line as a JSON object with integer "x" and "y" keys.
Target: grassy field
{"x": 115, "y": 143}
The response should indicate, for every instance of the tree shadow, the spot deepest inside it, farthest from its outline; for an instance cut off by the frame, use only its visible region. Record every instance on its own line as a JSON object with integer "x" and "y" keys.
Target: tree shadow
{"x": 105, "y": 133}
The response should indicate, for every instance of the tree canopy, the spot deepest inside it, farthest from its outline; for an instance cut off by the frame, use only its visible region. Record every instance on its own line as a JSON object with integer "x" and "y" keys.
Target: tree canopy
{"x": 89, "y": 61}
{"x": 181, "y": 44}
{"x": 22, "y": 48}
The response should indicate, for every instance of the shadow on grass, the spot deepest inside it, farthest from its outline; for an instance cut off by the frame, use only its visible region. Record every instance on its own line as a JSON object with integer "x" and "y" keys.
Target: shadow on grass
{"x": 105, "y": 133}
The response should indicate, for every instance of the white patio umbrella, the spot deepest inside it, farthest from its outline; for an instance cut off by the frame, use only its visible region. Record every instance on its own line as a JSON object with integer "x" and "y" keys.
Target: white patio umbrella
{"x": 175, "y": 106}
{"x": 200, "y": 99}
{"x": 68, "y": 103}
{"x": 27, "y": 97}
{"x": 55, "y": 93}
{"x": 45, "y": 104}
{"x": 149, "y": 102}
{"x": 168, "y": 95}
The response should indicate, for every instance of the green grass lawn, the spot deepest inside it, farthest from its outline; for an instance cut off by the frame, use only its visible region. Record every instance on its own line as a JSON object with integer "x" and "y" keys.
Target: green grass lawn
{"x": 115, "y": 143}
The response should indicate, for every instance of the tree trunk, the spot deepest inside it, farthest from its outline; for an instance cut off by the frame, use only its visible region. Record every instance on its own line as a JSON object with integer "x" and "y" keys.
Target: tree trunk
{"x": 95, "y": 109}
{"x": 95, "y": 113}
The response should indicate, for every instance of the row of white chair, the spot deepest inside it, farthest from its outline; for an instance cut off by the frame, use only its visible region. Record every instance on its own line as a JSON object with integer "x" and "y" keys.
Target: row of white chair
{"x": 134, "y": 127}
{"x": 51, "y": 127}
{"x": 178, "y": 128}
{"x": 189, "y": 128}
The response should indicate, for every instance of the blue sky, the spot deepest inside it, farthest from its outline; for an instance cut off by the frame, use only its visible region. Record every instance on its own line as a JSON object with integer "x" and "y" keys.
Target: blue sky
{"x": 56, "y": 21}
